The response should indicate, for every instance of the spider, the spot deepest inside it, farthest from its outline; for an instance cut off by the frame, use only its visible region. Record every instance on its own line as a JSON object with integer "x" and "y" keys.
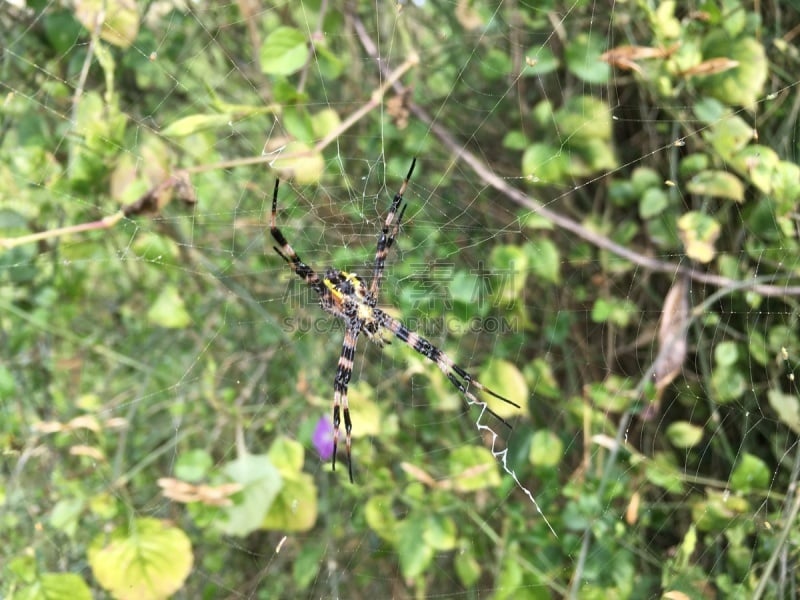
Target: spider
{"x": 346, "y": 296}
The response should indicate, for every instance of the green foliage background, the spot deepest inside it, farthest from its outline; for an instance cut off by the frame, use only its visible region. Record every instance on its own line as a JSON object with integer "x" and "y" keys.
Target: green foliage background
{"x": 621, "y": 182}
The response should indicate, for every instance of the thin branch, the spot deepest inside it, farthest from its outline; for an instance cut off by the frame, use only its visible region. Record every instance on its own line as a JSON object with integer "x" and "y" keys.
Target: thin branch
{"x": 374, "y": 102}
{"x": 151, "y": 202}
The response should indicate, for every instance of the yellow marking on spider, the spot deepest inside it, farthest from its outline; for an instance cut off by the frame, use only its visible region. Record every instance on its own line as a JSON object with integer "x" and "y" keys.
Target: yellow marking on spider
{"x": 351, "y": 277}
{"x": 337, "y": 293}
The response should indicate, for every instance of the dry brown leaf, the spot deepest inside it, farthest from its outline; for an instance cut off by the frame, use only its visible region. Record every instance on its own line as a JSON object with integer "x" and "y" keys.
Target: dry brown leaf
{"x": 48, "y": 427}
{"x": 672, "y": 340}
{"x": 625, "y": 57}
{"x": 185, "y": 492}
{"x": 90, "y": 451}
{"x": 632, "y": 512}
{"x": 418, "y": 474}
{"x": 711, "y": 67}
{"x": 83, "y": 422}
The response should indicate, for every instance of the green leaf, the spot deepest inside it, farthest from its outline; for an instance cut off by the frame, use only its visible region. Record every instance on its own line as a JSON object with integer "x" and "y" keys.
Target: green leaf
{"x": 544, "y": 164}
{"x": 55, "y": 586}
{"x": 726, "y": 354}
{"x": 614, "y": 310}
{"x": 719, "y": 511}
{"x": 728, "y": 384}
{"x": 154, "y": 247}
{"x": 509, "y": 580}
{"x": 544, "y": 382}
{"x": 693, "y": 164}
{"x": 545, "y": 260}
{"x": 381, "y": 518}
{"x": 788, "y": 408}
{"x": 757, "y": 344}
{"x": 23, "y": 567}
{"x": 644, "y": 178}
{"x": 473, "y": 468}
{"x": 149, "y": 560}
{"x": 683, "y": 434}
{"x": 495, "y": 65}
{"x": 759, "y": 164}
{"x": 547, "y": 449}
{"x": 539, "y": 60}
{"x": 329, "y": 64}
{"x": 590, "y": 156}
{"x": 750, "y": 474}
{"x": 584, "y": 119}
{"x": 193, "y": 465}
{"x": 262, "y": 482}
{"x": 709, "y": 111}
{"x": 533, "y": 220}
{"x": 295, "y": 507}
{"x": 698, "y": 232}
{"x": 61, "y": 30}
{"x": 66, "y": 514}
{"x": 120, "y": 23}
{"x": 664, "y": 22}
{"x": 300, "y": 162}
{"x": 307, "y": 564}
{"x": 505, "y": 378}
{"x": 414, "y": 554}
{"x": 196, "y": 123}
{"x": 613, "y": 394}
{"x": 786, "y": 184}
{"x": 465, "y": 288}
{"x": 652, "y": 203}
{"x": 730, "y": 136}
{"x": 718, "y": 184}
{"x": 513, "y": 140}
{"x": 468, "y": 569}
{"x": 325, "y": 122}
{"x": 661, "y": 472}
{"x": 287, "y": 454}
{"x": 440, "y": 533}
{"x": 582, "y": 55}
{"x": 509, "y": 268}
{"x": 298, "y": 124}
{"x": 285, "y": 51}
{"x": 683, "y": 556}
{"x": 169, "y": 310}
{"x": 742, "y": 85}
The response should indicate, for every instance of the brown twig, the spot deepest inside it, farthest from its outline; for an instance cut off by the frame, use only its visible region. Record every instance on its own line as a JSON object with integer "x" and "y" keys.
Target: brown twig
{"x": 151, "y": 202}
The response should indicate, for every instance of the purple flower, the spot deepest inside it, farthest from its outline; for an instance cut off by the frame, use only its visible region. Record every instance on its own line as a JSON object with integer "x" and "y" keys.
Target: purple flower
{"x": 322, "y": 438}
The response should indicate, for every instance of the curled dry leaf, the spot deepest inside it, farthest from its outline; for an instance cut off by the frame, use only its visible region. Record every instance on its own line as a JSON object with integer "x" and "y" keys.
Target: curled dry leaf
{"x": 625, "y": 57}
{"x": 83, "y": 422}
{"x": 632, "y": 512}
{"x": 90, "y": 451}
{"x": 211, "y": 495}
{"x": 711, "y": 67}
{"x": 672, "y": 340}
{"x": 156, "y": 198}
{"x": 116, "y": 423}
{"x": 418, "y": 474}
{"x": 48, "y": 427}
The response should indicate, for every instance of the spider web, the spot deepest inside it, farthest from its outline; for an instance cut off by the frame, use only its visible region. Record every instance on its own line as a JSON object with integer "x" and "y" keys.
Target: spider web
{"x": 609, "y": 240}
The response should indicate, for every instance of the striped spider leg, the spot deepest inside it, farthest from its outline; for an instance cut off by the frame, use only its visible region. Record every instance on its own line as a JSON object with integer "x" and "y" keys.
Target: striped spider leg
{"x": 346, "y": 296}
{"x": 388, "y": 233}
{"x": 332, "y": 289}
{"x": 460, "y": 378}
